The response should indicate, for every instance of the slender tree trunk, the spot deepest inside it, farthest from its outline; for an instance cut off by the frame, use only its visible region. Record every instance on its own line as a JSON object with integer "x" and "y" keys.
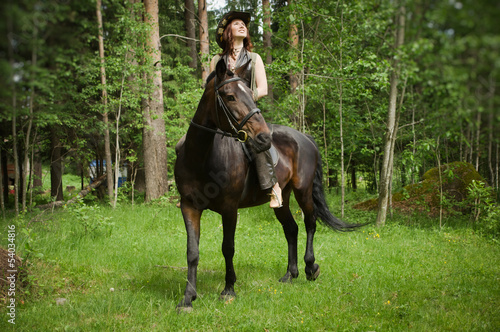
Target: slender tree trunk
{"x": 497, "y": 167}
{"x": 327, "y": 183}
{"x": 37, "y": 171}
{"x": 117, "y": 143}
{"x": 478, "y": 136}
{"x": 491, "y": 120}
{"x": 56, "y": 188}
{"x": 391, "y": 130}
{"x": 204, "y": 44}
{"x": 26, "y": 164}
{"x": 14, "y": 117}
{"x": 190, "y": 22}
{"x": 438, "y": 159}
{"x": 5, "y": 175}
{"x": 2, "y": 182}
{"x": 293, "y": 36}
{"x": 266, "y": 8}
{"x": 107, "y": 143}
{"x": 341, "y": 125}
{"x": 154, "y": 139}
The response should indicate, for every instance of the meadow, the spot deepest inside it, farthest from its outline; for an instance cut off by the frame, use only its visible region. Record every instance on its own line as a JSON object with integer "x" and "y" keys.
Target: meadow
{"x": 92, "y": 268}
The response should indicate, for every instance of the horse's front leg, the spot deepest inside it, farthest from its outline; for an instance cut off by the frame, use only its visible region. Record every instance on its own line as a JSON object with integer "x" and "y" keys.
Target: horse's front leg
{"x": 229, "y": 220}
{"x": 191, "y": 217}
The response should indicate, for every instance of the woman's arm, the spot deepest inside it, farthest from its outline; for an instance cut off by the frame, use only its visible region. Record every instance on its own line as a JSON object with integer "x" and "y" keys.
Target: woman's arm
{"x": 212, "y": 64}
{"x": 260, "y": 79}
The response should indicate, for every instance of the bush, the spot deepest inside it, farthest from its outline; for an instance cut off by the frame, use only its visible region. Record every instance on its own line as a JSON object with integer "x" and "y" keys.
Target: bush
{"x": 485, "y": 210}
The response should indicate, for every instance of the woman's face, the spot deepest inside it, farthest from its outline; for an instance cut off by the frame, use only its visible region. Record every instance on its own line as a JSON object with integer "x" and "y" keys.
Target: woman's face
{"x": 238, "y": 29}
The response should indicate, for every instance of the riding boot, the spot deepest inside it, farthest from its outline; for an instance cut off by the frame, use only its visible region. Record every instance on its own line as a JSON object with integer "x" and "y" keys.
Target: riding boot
{"x": 265, "y": 169}
{"x": 276, "y": 200}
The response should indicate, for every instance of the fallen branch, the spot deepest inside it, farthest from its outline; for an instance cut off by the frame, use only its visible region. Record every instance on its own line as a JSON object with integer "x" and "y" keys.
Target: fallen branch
{"x": 81, "y": 194}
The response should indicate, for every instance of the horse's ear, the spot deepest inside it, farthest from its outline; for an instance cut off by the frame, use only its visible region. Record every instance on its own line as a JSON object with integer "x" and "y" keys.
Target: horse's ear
{"x": 243, "y": 68}
{"x": 220, "y": 70}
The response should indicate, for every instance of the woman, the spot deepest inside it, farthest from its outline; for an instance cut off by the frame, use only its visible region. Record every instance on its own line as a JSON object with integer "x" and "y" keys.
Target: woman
{"x": 234, "y": 40}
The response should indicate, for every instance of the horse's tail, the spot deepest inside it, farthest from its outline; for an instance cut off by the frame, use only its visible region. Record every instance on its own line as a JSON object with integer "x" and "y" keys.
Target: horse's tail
{"x": 321, "y": 207}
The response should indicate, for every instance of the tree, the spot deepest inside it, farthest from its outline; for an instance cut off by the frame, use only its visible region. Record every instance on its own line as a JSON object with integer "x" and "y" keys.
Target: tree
{"x": 266, "y": 8}
{"x": 107, "y": 143}
{"x": 392, "y": 124}
{"x": 204, "y": 43}
{"x": 189, "y": 17}
{"x": 154, "y": 140}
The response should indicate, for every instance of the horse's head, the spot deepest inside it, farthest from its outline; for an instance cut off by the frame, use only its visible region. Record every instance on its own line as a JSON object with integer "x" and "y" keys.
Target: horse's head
{"x": 235, "y": 109}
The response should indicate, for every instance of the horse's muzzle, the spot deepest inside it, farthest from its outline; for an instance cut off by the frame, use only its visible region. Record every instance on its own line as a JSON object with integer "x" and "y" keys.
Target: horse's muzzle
{"x": 261, "y": 142}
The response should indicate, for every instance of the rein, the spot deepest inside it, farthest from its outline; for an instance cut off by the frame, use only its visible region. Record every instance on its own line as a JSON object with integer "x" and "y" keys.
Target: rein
{"x": 238, "y": 134}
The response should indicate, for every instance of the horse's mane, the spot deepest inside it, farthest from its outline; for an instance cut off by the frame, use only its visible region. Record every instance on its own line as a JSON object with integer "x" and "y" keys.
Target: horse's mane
{"x": 212, "y": 75}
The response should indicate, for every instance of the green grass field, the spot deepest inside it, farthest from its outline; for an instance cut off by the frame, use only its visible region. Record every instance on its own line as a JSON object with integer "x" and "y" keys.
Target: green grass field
{"x": 124, "y": 270}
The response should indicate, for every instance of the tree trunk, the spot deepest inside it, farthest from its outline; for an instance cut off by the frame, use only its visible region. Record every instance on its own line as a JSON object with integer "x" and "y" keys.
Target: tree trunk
{"x": 14, "y": 115}
{"x": 491, "y": 119}
{"x": 5, "y": 175}
{"x": 478, "y": 136}
{"x": 26, "y": 164}
{"x": 154, "y": 139}
{"x": 204, "y": 44}
{"x": 37, "y": 172}
{"x": 2, "y": 182}
{"x": 341, "y": 131}
{"x": 266, "y": 7}
{"x": 56, "y": 189}
{"x": 327, "y": 183}
{"x": 293, "y": 36}
{"x": 190, "y": 22}
{"x": 107, "y": 143}
{"x": 391, "y": 130}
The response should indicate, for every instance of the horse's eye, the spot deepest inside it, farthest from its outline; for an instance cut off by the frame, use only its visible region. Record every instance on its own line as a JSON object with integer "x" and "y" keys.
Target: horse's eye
{"x": 231, "y": 98}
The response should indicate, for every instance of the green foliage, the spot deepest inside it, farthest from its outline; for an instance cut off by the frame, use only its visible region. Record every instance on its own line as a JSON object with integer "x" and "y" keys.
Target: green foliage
{"x": 448, "y": 66}
{"x": 89, "y": 218}
{"x": 403, "y": 276}
{"x": 485, "y": 210}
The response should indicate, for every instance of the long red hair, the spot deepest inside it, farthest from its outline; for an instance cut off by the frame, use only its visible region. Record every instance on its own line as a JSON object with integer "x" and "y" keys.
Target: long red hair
{"x": 227, "y": 36}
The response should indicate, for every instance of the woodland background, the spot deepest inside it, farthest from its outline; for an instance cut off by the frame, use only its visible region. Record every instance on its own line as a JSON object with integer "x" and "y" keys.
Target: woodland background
{"x": 389, "y": 89}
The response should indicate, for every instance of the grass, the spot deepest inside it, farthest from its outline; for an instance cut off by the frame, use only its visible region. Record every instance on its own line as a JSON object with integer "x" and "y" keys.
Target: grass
{"x": 400, "y": 277}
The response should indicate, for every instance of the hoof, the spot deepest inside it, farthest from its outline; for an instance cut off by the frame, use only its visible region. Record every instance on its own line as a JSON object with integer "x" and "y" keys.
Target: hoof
{"x": 228, "y": 299}
{"x": 313, "y": 276}
{"x": 228, "y": 295}
{"x": 287, "y": 279}
{"x": 184, "y": 309}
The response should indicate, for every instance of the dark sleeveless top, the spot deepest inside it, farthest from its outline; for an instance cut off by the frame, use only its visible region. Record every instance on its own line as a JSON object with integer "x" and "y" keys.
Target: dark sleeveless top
{"x": 249, "y": 73}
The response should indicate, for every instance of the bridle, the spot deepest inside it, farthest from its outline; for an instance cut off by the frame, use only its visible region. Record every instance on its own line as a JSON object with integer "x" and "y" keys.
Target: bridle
{"x": 239, "y": 133}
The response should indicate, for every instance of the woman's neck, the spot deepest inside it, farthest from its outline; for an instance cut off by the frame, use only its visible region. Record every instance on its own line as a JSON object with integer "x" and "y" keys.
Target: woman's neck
{"x": 238, "y": 44}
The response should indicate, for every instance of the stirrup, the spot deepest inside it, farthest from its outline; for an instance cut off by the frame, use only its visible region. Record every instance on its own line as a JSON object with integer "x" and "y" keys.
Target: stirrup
{"x": 276, "y": 201}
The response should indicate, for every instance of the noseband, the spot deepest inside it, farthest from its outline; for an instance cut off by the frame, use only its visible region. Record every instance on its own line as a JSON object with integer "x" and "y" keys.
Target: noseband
{"x": 239, "y": 133}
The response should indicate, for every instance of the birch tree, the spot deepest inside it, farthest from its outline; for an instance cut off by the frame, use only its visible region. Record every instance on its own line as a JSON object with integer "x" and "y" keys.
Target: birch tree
{"x": 107, "y": 144}
{"x": 204, "y": 44}
{"x": 391, "y": 127}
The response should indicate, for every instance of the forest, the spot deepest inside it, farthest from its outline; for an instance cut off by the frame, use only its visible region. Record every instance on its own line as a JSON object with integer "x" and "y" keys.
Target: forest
{"x": 389, "y": 89}
{"x": 399, "y": 95}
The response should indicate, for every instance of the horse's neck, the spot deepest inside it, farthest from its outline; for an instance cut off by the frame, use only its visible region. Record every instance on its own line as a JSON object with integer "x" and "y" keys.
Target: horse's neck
{"x": 199, "y": 142}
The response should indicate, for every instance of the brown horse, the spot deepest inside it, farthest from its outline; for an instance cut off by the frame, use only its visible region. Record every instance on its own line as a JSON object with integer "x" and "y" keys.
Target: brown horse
{"x": 213, "y": 172}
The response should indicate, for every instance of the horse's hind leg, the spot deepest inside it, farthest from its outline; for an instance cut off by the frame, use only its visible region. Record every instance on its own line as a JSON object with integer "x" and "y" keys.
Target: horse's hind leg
{"x": 306, "y": 204}
{"x": 229, "y": 227}
{"x": 312, "y": 269}
{"x": 291, "y": 230}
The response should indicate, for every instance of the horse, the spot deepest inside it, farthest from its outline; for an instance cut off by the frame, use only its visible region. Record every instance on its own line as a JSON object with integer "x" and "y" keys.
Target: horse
{"x": 213, "y": 172}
